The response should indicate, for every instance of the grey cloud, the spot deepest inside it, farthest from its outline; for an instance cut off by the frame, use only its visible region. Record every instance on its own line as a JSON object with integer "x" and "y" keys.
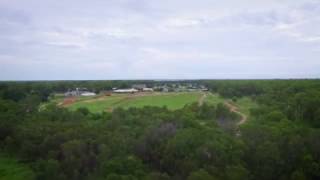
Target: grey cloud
{"x": 130, "y": 39}
{"x": 13, "y": 16}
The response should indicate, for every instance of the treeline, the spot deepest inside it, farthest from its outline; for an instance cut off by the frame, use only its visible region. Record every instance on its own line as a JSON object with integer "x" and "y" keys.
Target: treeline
{"x": 17, "y": 90}
{"x": 227, "y": 88}
{"x": 280, "y": 141}
{"x": 239, "y": 88}
{"x": 147, "y": 143}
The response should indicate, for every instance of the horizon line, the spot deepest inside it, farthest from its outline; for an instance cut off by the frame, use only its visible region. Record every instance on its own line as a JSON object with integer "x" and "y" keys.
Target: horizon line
{"x": 160, "y": 79}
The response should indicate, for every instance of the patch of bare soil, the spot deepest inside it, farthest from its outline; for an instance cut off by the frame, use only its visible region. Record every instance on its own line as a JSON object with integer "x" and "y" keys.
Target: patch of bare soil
{"x": 68, "y": 101}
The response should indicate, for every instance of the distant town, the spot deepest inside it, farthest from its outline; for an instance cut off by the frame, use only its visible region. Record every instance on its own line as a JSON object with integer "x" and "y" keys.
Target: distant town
{"x": 136, "y": 88}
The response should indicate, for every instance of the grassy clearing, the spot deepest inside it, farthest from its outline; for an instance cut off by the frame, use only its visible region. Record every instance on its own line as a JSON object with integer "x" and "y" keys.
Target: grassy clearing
{"x": 58, "y": 97}
{"x": 11, "y": 169}
{"x": 170, "y": 100}
{"x": 213, "y": 99}
{"x": 97, "y": 105}
{"x": 245, "y": 104}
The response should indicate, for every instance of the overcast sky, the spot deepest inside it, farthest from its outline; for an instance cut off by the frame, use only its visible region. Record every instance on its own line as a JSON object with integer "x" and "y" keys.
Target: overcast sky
{"x": 159, "y": 39}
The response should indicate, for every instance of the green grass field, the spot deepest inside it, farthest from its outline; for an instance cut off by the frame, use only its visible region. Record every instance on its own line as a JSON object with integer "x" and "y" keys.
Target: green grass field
{"x": 12, "y": 170}
{"x": 170, "y": 100}
{"x": 107, "y": 103}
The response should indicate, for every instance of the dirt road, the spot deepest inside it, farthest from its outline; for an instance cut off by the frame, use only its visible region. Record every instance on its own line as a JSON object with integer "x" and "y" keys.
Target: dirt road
{"x": 235, "y": 109}
{"x": 202, "y": 98}
{"x": 230, "y": 105}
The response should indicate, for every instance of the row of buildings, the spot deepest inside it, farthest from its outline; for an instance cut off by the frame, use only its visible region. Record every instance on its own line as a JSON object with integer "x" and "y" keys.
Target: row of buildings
{"x": 79, "y": 92}
{"x": 134, "y": 89}
{"x": 180, "y": 87}
{"x": 85, "y": 92}
{"x": 142, "y": 88}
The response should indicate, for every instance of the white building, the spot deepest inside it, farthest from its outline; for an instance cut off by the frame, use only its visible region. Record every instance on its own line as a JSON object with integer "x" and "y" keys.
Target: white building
{"x": 147, "y": 89}
{"x": 79, "y": 92}
{"x": 88, "y": 94}
{"x": 125, "y": 90}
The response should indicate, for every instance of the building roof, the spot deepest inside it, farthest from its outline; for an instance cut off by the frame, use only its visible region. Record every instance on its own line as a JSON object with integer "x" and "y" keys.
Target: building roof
{"x": 88, "y": 94}
{"x": 139, "y": 86}
{"x": 125, "y": 90}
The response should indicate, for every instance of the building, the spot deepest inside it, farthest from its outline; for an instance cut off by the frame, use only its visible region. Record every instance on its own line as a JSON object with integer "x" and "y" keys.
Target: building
{"x": 88, "y": 94}
{"x": 139, "y": 86}
{"x": 165, "y": 89}
{"x": 71, "y": 93}
{"x": 147, "y": 90}
{"x": 132, "y": 90}
{"x": 79, "y": 92}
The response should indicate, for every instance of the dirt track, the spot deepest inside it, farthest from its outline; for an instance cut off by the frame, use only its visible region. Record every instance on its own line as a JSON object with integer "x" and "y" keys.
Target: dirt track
{"x": 202, "y": 98}
{"x": 230, "y": 105}
{"x": 67, "y": 101}
{"x": 235, "y": 109}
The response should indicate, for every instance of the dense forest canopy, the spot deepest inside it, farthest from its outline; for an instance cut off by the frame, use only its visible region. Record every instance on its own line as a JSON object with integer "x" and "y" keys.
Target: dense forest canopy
{"x": 280, "y": 141}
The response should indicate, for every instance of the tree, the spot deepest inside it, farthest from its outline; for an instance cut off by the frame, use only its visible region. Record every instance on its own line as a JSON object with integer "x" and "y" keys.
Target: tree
{"x": 201, "y": 175}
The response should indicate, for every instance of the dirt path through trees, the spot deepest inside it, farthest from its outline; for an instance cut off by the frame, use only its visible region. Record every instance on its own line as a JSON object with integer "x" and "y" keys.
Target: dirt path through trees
{"x": 202, "y": 98}
{"x": 235, "y": 109}
{"x": 230, "y": 105}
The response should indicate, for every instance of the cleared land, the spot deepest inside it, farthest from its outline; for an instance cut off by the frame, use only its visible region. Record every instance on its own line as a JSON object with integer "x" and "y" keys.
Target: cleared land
{"x": 170, "y": 100}
{"x": 108, "y": 103}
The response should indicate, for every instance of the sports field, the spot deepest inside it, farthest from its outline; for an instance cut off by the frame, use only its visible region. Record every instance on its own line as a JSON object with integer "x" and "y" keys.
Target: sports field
{"x": 170, "y": 100}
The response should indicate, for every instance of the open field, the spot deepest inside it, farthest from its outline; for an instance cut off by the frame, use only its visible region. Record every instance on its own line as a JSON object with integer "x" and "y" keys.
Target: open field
{"x": 170, "y": 100}
{"x": 107, "y": 103}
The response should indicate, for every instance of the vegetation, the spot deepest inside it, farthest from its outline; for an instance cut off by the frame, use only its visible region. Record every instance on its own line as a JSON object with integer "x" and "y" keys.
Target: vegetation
{"x": 213, "y": 99}
{"x": 12, "y": 170}
{"x": 245, "y": 104}
{"x": 170, "y": 100}
{"x": 134, "y": 141}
